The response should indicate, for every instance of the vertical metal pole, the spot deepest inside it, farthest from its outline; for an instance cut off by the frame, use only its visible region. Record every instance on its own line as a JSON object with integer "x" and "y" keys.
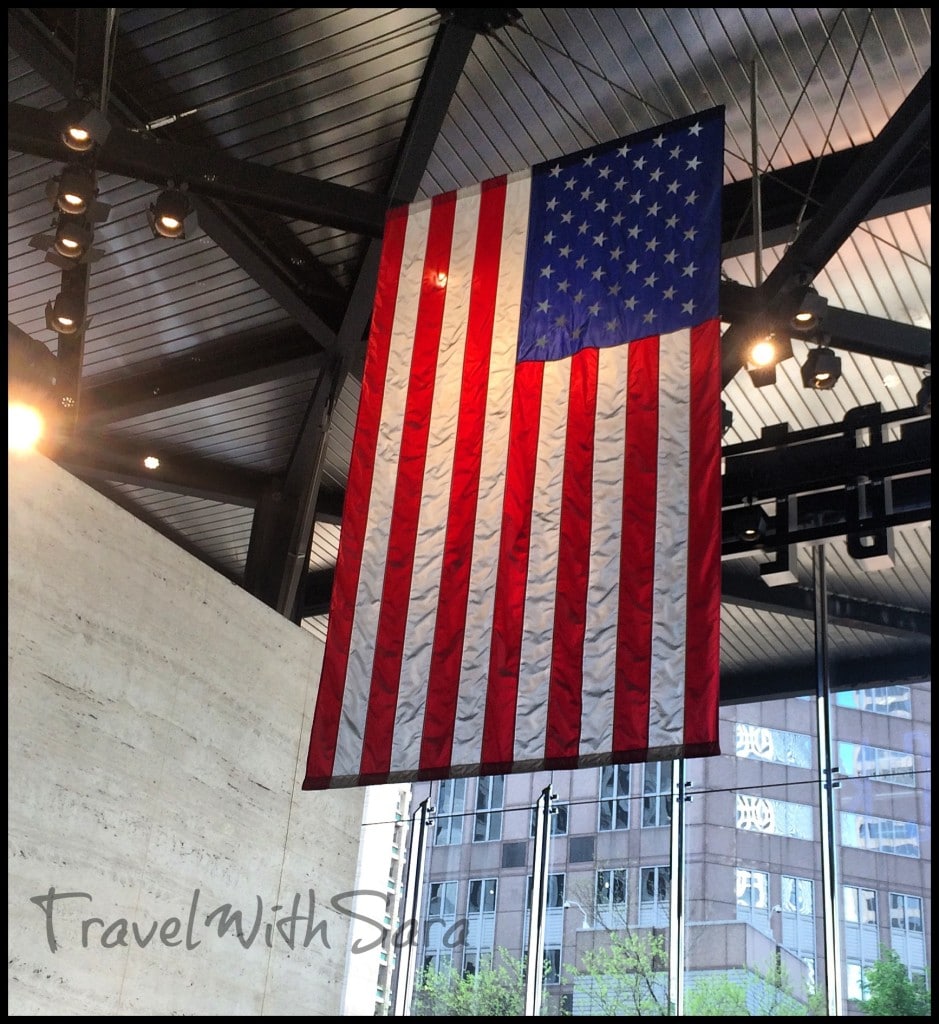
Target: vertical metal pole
{"x": 829, "y": 849}
{"x": 407, "y": 957}
{"x": 676, "y": 908}
{"x": 534, "y": 968}
{"x": 757, "y": 202}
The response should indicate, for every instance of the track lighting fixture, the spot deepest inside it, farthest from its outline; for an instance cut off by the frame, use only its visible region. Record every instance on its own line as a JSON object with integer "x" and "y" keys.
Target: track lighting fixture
{"x": 74, "y": 192}
{"x": 727, "y": 418}
{"x": 821, "y": 370}
{"x": 749, "y": 523}
{"x": 924, "y": 396}
{"x": 72, "y": 237}
{"x": 171, "y": 215}
{"x": 767, "y": 349}
{"x": 810, "y": 314}
{"x": 65, "y": 315}
{"x": 83, "y": 126}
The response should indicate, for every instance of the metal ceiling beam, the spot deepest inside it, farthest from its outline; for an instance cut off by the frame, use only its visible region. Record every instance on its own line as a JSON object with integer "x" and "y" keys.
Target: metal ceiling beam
{"x": 115, "y": 460}
{"x": 283, "y": 270}
{"x": 747, "y": 591}
{"x": 209, "y": 173}
{"x": 206, "y": 372}
{"x": 905, "y": 664}
{"x": 853, "y": 332}
{"x": 846, "y": 207}
{"x": 280, "y": 542}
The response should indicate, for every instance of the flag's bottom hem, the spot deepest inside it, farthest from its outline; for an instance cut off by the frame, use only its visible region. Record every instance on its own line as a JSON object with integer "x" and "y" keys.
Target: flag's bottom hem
{"x": 664, "y": 753}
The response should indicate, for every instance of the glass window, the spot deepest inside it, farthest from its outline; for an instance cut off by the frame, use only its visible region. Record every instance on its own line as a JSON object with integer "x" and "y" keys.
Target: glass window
{"x": 611, "y": 897}
{"x": 892, "y": 766}
{"x": 906, "y": 931}
{"x": 655, "y": 885}
{"x": 861, "y": 936}
{"x": 614, "y": 797}
{"x": 480, "y": 923}
{"x": 775, "y": 817}
{"x": 656, "y": 793}
{"x": 441, "y": 916}
{"x": 558, "y": 820}
{"x": 776, "y": 745}
{"x": 882, "y": 835}
{"x": 448, "y": 820}
{"x": 490, "y": 793}
{"x": 753, "y": 897}
{"x": 884, "y": 700}
{"x": 797, "y": 910}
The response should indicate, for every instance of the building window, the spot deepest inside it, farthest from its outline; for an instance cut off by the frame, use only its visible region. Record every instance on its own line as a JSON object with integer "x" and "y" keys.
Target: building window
{"x": 881, "y": 835}
{"x": 891, "y": 766}
{"x": 490, "y": 792}
{"x": 861, "y": 937}
{"x": 797, "y": 908}
{"x": 580, "y": 849}
{"x": 656, "y": 794}
{"x": 448, "y": 820}
{"x": 614, "y": 798}
{"x": 554, "y": 925}
{"x": 611, "y": 898}
{"x": 655, "y": 886}
{"x": 441, "y": 916}
{"x": 558, "y": 820}
{"x": 884, "y": 700}
{"x": 480, "y": 923}
{"x": 906, "y": 931}
{"x": 753, "y": 897}
{"x": 775, "y": 817}
{"x": 762, "y": 744}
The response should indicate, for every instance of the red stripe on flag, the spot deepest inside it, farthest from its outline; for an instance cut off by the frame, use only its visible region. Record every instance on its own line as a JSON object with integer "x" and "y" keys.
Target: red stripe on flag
{"x": 637, "y": 549}
{"x": 329, "y": 699}
{"x": 443, "y": 683}
{"x": 392, "y": 618}
{"x": 702, "y": 659}
{"x": 498, "y": 740}
{"x": 562, "y": 738}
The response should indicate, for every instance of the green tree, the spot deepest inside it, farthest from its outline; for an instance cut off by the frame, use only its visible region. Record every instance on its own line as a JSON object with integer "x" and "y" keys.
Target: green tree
{"x": 627, "y": 978}
{"x": 889, "y": 992}
{"x": 497, "y": 989}
{"x": 747, "y": 992}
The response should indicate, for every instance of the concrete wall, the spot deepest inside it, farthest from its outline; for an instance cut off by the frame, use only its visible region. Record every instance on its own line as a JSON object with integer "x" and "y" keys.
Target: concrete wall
{"x": 159, "y": 718}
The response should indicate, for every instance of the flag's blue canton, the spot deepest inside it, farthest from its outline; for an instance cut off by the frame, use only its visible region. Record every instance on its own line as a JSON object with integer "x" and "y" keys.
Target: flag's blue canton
{"x": 624, "y": 240}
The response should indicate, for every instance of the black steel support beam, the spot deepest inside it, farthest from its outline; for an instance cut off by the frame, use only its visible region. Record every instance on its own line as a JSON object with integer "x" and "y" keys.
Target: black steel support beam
{"x": 109, "y": 459}
{"x": 280, "y": 544}
{"x": 846, "y": 207}
{"x": 208, "y": 173}
{"x": 239, "y": 362}
{"x": 852, "y": 332}
{"x": 906, "y": 664}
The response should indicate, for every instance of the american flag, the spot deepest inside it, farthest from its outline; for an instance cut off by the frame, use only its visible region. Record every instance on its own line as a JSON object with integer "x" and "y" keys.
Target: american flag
{"x": 529, "y": 566}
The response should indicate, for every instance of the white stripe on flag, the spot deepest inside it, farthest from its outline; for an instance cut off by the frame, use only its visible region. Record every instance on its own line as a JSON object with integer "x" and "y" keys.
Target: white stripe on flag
{"x": 531, "y": 709}
{"x": 375, "y": 548}
{"x": 667, "y": 682}
{"x": 474, "y": 670}
{"x": 599, "y": 665}
{"x": 435, "y": 494}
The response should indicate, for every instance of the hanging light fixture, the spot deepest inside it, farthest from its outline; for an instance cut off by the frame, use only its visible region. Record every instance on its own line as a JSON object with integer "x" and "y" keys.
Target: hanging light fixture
{"x": 749, "y": 523}
{"x": 821, "y": 370}
{"x": 727, "y": 418}
{"x": 811, "y": 312}
{"x": 768, "y": 348}
{"x": 74, "y": 192}
{"x": 170, "y": 215}
{"x": 924, "y": 396}
{"x": 65, "y": 315}
{"x": 72, "y": 237}
{"x": 83, "y": 126}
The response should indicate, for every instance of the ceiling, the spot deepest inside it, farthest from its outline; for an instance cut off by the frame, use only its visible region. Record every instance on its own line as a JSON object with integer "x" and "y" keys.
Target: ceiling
{"x": 234, "y": 354}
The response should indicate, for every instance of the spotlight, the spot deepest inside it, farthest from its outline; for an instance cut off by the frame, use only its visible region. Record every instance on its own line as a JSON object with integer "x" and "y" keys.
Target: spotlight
{"x": 83, "y": 126}
{"x": 811, "y": 312}
{"x": 924, "y": 396}
{"x": 65, "y": 314}
{"x": 74, "y": 192}
{"x": 31, "y": 378}
{"x": 766, "y": 350}
{"x": 821, "y": 370}
{"x": 727, "y": 418}
{"x": 749, "y": 523}
{"x": 72, "y": 238}
{"x": 169, "y": 215}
